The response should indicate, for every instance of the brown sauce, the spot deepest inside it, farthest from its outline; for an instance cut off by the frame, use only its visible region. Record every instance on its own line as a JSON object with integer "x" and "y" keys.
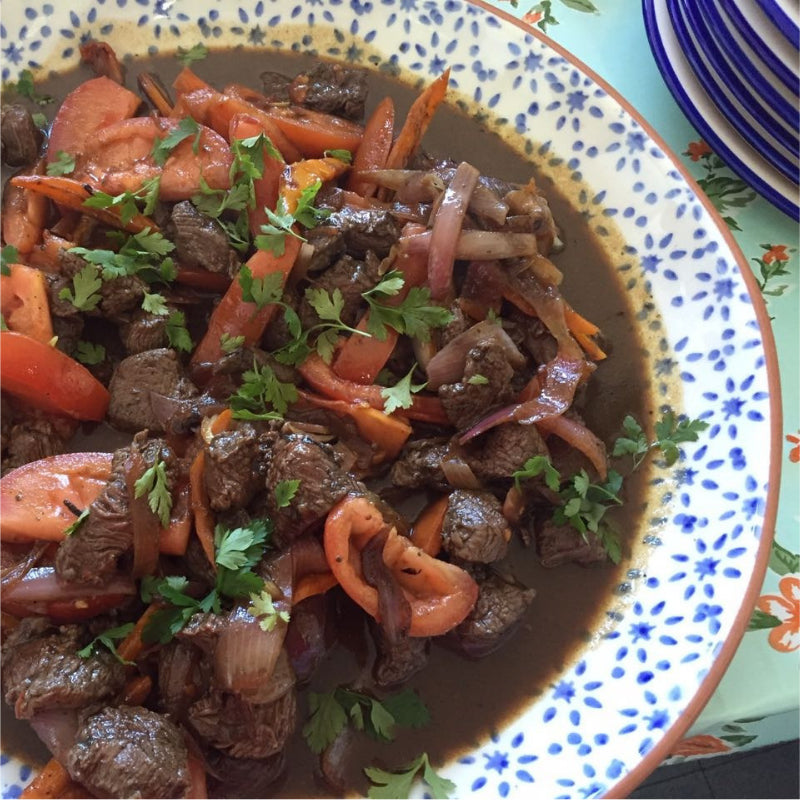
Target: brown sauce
{"x": 468, "y": 700}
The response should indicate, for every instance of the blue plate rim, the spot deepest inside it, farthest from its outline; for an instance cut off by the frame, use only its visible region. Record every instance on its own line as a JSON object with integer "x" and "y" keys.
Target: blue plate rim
{"x": 782, "y": 21}
{"x": 766, "y": 99}
{"x": 788, "y": 206}
{"x": 760, "y": 143}
{"x": 729, "y": 9}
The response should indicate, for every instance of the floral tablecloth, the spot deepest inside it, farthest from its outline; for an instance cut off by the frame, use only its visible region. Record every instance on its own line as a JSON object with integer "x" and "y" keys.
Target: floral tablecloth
{"x": 757, "y": 701}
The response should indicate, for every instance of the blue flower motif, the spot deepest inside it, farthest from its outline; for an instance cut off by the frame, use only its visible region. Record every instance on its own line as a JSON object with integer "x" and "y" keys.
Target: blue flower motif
{"x": 576, "y": 100}
{"x": 732, "y": 407}
{"x": 706, "y": 567}
{"x": 641, "y": 630}
{"x": 705, "y": 612}
{"x": 636, "y": 142}
{"x": 532, "y": 62}
{"x": 657, "y": 720}
{"x": 650, "y": 262}
{"x": 565, "y": 690}
{"x": 13, "y": 53}
{"x": 497, "y": 761}
{"x": 436, "y": 65}
{"x": 723, "y": 289}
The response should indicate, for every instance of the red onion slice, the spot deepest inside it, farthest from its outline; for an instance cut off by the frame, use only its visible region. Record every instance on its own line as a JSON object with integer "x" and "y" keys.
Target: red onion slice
{"x": 459, "y": 474}
{"x": 580, "y": 437}
{"x": 480, "y": 245}
{"x": 446, "y": 229}
{"x": 42, "y": 584}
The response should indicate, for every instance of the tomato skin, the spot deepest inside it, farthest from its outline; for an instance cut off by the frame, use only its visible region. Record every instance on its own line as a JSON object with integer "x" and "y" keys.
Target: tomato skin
{"x": 32, "y": 496}
{"x": 91, "y": 107}
{"x": 440, "y": 594}
{"x": 24, "y": 303}
{"x": 49, "y": 379}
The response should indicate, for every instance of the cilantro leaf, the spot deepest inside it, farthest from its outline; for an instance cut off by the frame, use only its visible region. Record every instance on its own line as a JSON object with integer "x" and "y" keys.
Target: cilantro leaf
{"x": 230, "y": 343}
{"x": 85, "y": 292}
{"x": 343, "y": 155}
{"x": 155, "y": 485}
{"x": 185, "y": 129}
{"x": 414, "y": 316}
{"x": 306, "y": 213}
{"x": 107, "y": 638}
{"x": 536, "y": 465}
{"x": 240, "y": 547}
{"x": 76, "y": 523}
{"x": 478, "y": 380}
{"x": 8, "y": 255}
{"x": 407, "y": 708}
{"x": 127, "y": 202}
{"x": 89, "y": 353}
{"x": 399, "y": 395}
{"x": 273, "y": 235}
{"x": 177, "y": 334}
{"x": 398, "y": 784}
{"x": 670, "y": 432}
{"x": 25, "y": 87}
{"x": 261, "y": 291}
{"x": 262, "y": 395}
{"x": 196, "y": 52}
{"x": 63, "y": 165}
{"x": 262, "y": 607}
{"x": 155, "y": 303}
{"x": 285, "y": 492}
{"x": 327, "y": 719}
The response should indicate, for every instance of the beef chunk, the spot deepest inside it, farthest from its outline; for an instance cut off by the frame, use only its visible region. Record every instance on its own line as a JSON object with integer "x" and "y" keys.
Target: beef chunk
{"x": 474, "y": 527}
{"x": 182, "y": 672}
{"x": 144, "y": 331}
{"x": 322, "y": 485}
{"x": 396, "y": 662}
{"x": 275, "y": 87}
{"x": 121, "y": 296}
{"x": 465, "y": 403}
{"x": 309, "y": 636}
{"x": 200, "y": 241}
{"x": 351, "y": 277}
{"x": 329, "y": 246}
{"x": 366, "y": 230}
{"x": 20, "y": 137}
{"x": 228, "y": 722}
{"x": 504, "y": 450}
{"x": 560, "y": 544}
{"x": 43, "y": 672}
{"x": 129, "y": 751}
{"x": 68, "y": 330}
{"x": 420, "y": 464}
{"x": 331, "y": 88}
{"x": 497, "y": 612}
{"x": 157, "y": 371}
{"x": 91, "y": 554}
{"x": 103, "y": 60}
{"x": 233, "y": 467}
{"x": 531, "y": 335}
{"x": 243, "y": 777}
{"x": 36, "y": 435}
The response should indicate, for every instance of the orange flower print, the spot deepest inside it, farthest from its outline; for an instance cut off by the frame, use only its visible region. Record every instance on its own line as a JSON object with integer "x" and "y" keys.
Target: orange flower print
{"x": 532, "y": 17}
{"x": 786, "y": 607}
{"x": 794, "y": 453}
{"x": 697, "y": 150}
{"x": 777, "y": 252}
{"x": 702, "y": 745}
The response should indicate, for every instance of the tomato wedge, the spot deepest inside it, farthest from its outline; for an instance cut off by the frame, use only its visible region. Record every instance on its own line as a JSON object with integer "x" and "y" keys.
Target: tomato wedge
{"x": 32, "y": 497}
{"x": 24, "y": 303}
{"x": 49, "y": 379}
{"x": 440, "y": 594}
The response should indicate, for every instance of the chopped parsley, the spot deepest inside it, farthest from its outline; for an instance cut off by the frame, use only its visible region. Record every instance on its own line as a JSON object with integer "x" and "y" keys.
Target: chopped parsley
{"x": 8, "y": 255}
{"x": 670, "y": 432}
{"x": 285, "y": 492}
{"x": 261, "y": 291}
{"x": 237, "y": 552}
{"x": 343, "y": 155}
{"x": 154, "y": 303}
{"x": 414, "y": 316}
{"x": 128, "y": 202}
{"x": 186, "y": 129}
{"x": 63, "y": 165}
{"x": 177, "y": 334}
{"x": 398, "y": 784}
{"x": 331, "y": 711}
{"x": 76, "y": 523}
{"x": 155, "y": 484}
{"x": 281, "y": 221}
{"x": 262, "y": 607}
{"x": 89, "y": 353}
{"x": 25, "y": 87}
{"x": 262, "y": 395}
{"x": 477, "y": 380}
{"x": 85, "y": 292}
{"x": 188, "y": 56}
{"x": 230, "y": 343}
{"x": 399, "y": 395}
{"x": 108, "y": 639}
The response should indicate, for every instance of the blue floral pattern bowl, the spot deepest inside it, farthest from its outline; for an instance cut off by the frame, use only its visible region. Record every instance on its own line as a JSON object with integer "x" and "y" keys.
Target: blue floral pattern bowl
{"x": 612, "y": 714}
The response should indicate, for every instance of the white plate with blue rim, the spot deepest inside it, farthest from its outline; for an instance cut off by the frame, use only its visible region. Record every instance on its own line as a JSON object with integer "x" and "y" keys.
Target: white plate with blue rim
{"x": 625, "y": 696}
{"x": 764, "y": 135}
{"x": 783, "y": 14}
{"x": 703, "y": 113}
{"x": 753, "y": 41}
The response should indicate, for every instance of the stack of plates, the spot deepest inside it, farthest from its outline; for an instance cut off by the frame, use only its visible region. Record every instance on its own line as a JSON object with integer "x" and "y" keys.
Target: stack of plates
{"x": 732, "y": 66}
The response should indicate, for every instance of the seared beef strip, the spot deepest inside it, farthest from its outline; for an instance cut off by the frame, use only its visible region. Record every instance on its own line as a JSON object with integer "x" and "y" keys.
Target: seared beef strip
{"x": 42, "y": 671}
{"x": 129, "y": 751}
{"x": 497, "y": 612}
{"x": 420, "y": 465}
{"x": 504, "y": 450}
{"x": 200, "y": 241}
{"x": 560, "y": 544}
{"x": 234, "y": 467}
{"x": 20, "y": 137}
{"x": 322, "y": 485}
{"x": 157, "y": 371}
{"x": 474, "y": 528}
{"x": 91, "y": 554}
{"x": 465, "y": 403}
{"x": 366, "y": 230}
{"x": 332, "y": 89}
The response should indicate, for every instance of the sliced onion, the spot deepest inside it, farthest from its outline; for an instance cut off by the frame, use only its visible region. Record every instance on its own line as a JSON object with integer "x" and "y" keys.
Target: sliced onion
{"x": 42, "y": 584}
{"x": 580, "y": 437}
{"x": 481, "y": 245}
{"x": 459, "y": 474}
{"x": 18, "y": 571}
{"x": 246, "y": 654}
{"x": 447, "y": 366}
{"x": 308, "y": 557}
{"x": 446, "y": 228}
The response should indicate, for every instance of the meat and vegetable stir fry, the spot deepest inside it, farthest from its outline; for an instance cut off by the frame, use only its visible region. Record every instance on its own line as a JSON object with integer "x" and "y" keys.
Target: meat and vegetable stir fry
{"x": 346, "y": 382}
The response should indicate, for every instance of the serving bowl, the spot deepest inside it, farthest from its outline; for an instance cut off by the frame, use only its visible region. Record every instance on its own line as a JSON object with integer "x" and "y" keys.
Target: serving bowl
{"x": 669, "y": 630}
